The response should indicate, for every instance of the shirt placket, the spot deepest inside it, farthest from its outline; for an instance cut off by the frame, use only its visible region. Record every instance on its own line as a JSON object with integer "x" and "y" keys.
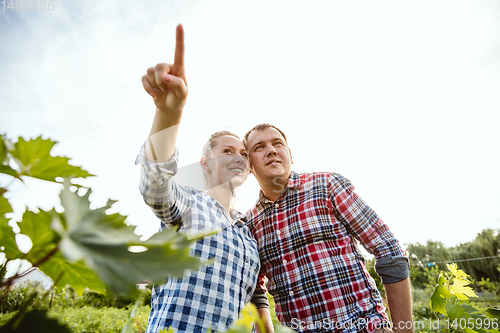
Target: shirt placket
{"x": 278, "y": 208}
{"x": 245, "y": 268}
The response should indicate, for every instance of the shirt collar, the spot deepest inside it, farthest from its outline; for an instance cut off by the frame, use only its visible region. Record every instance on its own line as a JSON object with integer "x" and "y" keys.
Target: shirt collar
{"x": 240, "y": 218}
{"x": 294, "y": 182}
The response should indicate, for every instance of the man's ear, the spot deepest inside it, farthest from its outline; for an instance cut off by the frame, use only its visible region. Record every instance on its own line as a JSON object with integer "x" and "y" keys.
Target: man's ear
{"x": 250, "y": 168}
{"x": 290, "y": 152}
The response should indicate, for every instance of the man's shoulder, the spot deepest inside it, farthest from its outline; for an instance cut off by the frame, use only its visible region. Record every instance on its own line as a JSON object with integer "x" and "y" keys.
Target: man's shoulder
{"x": 251, "y": 215}
{"x": 321, "y": 176}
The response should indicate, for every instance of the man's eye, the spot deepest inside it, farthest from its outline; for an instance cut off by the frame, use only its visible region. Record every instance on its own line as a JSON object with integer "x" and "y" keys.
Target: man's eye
{"x": 278, "y": 143}
{"x": 257, "y": 148}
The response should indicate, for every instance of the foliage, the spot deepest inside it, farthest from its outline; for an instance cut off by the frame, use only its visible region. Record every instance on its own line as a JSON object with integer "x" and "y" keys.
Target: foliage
{"x": 480, "y": 257}
{"x": 82, "y": 247}
{"x": 451, "y": 298}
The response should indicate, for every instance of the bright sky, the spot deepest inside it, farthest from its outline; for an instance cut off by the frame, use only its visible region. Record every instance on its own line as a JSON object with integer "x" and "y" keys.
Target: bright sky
{"x": 400, "y": 97}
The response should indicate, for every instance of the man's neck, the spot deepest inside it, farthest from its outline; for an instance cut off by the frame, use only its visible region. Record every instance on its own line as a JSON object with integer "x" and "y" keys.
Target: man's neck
{"x": 273, "y": 189}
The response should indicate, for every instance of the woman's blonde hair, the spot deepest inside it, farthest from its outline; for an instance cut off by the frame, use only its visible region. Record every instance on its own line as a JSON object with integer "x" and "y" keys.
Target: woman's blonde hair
{"x": 207, "y": 151}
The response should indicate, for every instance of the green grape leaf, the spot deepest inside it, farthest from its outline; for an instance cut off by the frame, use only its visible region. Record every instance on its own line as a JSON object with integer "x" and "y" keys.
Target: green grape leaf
{"x": 103, "y": 241}
{"x": 458, "y": 273}
{"x": 478, "y": 323}
{"x": 3, "y": 150}
{"x": 460, "y": 290}
{"x": 8, "y": 171}
{"x": 437, "y": 302}
{"x": 5, "y": 207}
{"x": 37, "y": 227}
{"x": 77, "y": 274}
{"x": 8, "y": 244}
{"x": 472, "y": 311}
{"x": 493, "y": 313}
{"x": 455, "y": 311}
{"x": 3, "y": 271}
{"x": 247, "y": 318}
{"x": 35, "y": 321}
{"x": 34, "y": 160}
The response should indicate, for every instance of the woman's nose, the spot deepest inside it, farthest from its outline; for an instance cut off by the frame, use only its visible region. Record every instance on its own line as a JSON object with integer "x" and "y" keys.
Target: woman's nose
{"x": 240, "y": 159}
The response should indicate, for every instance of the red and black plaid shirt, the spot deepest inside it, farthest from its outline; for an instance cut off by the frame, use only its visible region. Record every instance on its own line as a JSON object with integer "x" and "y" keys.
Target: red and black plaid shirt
{"x": 308, "y": 251}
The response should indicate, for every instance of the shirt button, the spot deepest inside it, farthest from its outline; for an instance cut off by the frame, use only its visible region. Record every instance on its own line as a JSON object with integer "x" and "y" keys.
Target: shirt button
{"x": 278, "y": 232}
{"x": 277, "y": 205}
{"x": 284, "y": 261}
{"x": 290, "y": 293}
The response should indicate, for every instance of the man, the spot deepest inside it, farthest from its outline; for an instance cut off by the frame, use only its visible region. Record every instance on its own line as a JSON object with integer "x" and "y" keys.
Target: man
{"x": 307, "y": 227}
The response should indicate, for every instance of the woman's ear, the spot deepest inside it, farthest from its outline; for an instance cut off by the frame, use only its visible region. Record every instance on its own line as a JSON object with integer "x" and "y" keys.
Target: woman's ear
{"x": 204, "y": 164}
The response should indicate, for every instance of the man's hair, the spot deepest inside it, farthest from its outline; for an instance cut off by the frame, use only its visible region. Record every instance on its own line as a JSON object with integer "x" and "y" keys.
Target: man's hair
{"x": 261, "y": 127}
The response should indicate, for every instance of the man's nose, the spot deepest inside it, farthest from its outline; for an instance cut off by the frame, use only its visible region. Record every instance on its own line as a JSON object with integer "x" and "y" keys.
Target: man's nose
{"x": 271, "y": 150}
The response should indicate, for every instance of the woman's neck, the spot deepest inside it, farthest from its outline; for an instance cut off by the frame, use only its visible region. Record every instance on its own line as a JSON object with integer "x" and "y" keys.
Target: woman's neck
{"x": 223, "y": 194}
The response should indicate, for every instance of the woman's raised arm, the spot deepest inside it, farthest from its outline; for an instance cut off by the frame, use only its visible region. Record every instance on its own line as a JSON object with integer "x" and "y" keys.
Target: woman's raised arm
{"x": 167, "y": 85}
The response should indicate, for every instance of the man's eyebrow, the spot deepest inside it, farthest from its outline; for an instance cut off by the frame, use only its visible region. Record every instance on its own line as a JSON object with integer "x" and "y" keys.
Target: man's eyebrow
{"x": 257, "y": 143}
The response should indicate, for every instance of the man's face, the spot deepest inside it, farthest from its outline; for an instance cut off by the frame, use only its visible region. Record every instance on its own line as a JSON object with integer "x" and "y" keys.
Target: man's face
{"x": 269, "y": 155}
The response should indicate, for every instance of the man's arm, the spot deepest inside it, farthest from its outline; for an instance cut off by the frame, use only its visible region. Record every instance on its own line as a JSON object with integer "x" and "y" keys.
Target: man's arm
{"x": 265, "y": 315}
{"x": 391, "y": 263}
{"x": 260, "y": 300}
{"x": 399, "y": 299}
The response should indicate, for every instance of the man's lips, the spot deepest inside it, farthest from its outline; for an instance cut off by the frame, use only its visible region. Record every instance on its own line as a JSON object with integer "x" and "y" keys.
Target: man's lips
{"x": 274, "y": 160}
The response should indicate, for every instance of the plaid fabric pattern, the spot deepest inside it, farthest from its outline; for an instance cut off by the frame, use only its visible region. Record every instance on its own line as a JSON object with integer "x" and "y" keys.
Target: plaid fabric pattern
{"x": 213, "y": 296}
{"x": 308, "y": 251}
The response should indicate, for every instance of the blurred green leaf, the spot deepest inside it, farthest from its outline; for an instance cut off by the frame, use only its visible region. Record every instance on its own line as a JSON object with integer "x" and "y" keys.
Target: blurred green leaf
{"x": 437, "y": 302}
{"x": 9, "y": 245}
{"x": 36, "y": 321}
{"x": 8, "y": 170}
{"x": 75, "y": 274}
{"x": 3, "y": 150}
{"x": 37, "y": 227}
{"x": 103, "y": 240}
{"x": 493, "y": 313}
{"x": 34, "y": 160}
{"x": 5, "y": 207}
{"x": 455, "y": 311}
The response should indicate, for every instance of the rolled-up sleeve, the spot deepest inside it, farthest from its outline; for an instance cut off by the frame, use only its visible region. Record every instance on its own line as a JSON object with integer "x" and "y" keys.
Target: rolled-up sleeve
{"x": 366, "y": 226}
{"x": 168, "y": 201}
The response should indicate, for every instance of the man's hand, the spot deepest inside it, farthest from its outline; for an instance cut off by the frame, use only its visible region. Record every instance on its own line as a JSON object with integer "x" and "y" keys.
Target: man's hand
{"x": 166, "y": 83}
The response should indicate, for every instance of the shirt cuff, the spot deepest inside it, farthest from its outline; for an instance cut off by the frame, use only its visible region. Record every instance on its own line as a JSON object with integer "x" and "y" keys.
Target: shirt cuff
{"x": 158, "y": 170}
{"x": 259, "y": 299}
{"x": 393, "y": 269}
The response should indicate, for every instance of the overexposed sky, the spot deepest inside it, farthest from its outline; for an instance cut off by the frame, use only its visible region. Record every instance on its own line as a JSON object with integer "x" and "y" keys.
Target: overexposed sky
{"x": 400, "y": 97}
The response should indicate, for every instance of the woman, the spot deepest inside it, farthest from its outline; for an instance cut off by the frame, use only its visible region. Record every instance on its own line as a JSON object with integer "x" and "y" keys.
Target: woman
{"x": 212, "y": 297}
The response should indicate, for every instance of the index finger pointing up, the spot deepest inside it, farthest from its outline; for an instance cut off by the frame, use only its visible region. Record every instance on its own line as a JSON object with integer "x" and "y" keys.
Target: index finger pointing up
{"x": 179, "y": 46}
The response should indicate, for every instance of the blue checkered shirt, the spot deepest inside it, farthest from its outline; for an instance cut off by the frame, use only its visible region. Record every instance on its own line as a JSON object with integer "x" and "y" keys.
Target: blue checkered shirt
{"x": 213, "y": 296}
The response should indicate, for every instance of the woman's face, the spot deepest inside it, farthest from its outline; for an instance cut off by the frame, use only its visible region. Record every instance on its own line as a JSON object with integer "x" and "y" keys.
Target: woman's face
{"x": 228, "y": 163}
